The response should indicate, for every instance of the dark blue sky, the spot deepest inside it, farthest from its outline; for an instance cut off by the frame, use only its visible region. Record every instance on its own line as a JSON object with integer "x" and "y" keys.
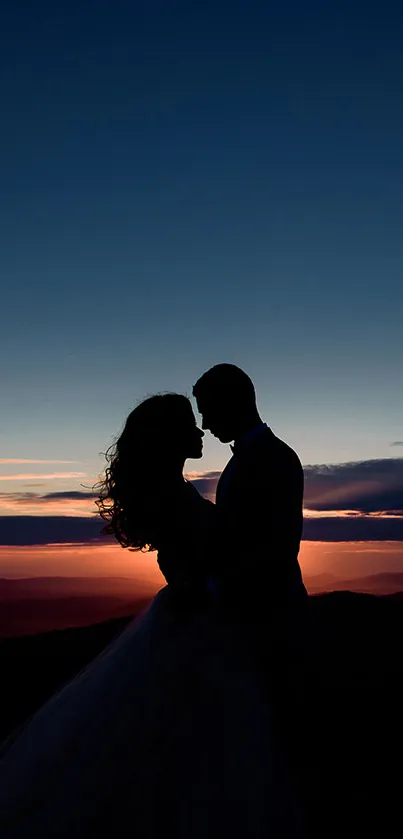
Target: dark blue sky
{"x": 186, "y": 183}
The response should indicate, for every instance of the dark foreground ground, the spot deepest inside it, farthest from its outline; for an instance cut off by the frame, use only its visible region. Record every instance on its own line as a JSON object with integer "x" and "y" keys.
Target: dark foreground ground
{"x": 350, "y": 774}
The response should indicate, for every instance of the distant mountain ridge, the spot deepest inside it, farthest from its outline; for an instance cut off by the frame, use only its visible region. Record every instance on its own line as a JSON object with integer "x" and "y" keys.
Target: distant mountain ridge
{"x": 33, "y": 605}
{"x": 62, "y": 586}
{"x": 379, "y": 584}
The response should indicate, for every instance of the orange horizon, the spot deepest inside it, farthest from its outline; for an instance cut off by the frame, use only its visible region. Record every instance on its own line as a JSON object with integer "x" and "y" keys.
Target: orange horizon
{"x": 342, "y": 559}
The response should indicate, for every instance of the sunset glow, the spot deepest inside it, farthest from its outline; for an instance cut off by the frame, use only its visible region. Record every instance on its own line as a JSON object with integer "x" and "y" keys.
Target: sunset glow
{"x": 345, "y": 561}
{"x": 83, "y": 560}
{"x": 163, "y": 228}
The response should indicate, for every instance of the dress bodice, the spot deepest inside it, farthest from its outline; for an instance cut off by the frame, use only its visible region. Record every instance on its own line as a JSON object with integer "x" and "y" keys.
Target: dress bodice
{"x": 184, "y": 553}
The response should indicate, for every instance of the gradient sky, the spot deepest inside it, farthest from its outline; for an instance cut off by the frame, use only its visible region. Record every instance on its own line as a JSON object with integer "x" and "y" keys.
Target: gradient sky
{"x": 187, "y": 183}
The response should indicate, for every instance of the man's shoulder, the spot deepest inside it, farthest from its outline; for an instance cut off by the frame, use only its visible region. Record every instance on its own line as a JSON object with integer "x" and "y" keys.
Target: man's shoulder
{"x": 284, "y": 448}
{"x": 269, "y": 446}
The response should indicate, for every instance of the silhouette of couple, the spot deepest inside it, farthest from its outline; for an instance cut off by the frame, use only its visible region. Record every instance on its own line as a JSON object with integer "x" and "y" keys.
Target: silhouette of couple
{"x": 172, "y": 731}
{"x": 248, "y": 541}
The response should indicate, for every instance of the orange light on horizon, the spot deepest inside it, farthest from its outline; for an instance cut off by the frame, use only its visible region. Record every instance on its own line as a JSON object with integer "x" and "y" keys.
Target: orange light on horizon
{"x": 83, "y": 560}
{"x": 346, "y": 560}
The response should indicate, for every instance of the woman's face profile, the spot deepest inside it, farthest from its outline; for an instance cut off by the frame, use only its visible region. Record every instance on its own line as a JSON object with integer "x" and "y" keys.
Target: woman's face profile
{"x": 190, "y": 438}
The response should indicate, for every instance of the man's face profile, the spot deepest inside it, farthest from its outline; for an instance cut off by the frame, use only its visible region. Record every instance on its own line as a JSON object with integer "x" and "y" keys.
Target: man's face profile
{"x": 216, "y": 418}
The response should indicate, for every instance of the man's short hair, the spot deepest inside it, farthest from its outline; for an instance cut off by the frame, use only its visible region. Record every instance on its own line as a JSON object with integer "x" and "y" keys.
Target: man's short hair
{"x": 225, "y": 381}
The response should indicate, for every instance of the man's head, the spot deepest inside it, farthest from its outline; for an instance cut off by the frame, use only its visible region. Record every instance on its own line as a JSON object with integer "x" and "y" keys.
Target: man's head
{"x": 226, "y": 400}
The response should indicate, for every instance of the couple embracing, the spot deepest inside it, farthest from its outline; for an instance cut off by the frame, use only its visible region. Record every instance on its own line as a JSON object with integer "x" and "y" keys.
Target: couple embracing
{"x": 245, "y": 544}
{"x": 177, "y": 729}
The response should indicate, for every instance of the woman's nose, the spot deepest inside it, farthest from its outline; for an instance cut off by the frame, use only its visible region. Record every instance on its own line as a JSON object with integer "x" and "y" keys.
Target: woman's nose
{"x": 201, "y": 432}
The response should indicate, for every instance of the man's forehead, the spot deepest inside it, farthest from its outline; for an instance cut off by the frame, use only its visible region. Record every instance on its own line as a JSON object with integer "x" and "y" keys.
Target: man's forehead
{"x": 207, "y": 403}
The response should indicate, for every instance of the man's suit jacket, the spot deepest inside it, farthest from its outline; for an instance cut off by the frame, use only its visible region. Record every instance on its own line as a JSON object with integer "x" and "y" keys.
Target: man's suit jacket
{"x": 259, "y": 519}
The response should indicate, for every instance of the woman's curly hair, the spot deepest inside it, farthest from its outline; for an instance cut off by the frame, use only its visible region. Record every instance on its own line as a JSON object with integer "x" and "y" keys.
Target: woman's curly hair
{"x": 129, "y": 494}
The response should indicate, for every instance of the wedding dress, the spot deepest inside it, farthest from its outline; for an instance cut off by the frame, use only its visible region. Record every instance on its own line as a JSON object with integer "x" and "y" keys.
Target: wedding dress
{"x": 167, "y": 733}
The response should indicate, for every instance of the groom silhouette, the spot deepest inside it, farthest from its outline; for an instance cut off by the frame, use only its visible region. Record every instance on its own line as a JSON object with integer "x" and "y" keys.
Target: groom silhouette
{"x": 256, "y": 578}
{"x": 258, "y": 499}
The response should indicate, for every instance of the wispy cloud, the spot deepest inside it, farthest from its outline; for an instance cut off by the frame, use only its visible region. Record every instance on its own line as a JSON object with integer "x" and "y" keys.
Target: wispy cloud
{"x": 353, "y": 529}
{"x": 397, "y": 443}
{"x": 366, "y": 486}
{"x": 369, "y": 486}
{"x": 194, "y": 476}
{"x": 205, "y": 482}
{"x": 74, "y": 503}
{"x": 30, "y": 460}
{"x": 45, "y": 530}
{"x": 51, "y": 476}
{"x": 75, "y": 495}
{"x": 358, "y": 501}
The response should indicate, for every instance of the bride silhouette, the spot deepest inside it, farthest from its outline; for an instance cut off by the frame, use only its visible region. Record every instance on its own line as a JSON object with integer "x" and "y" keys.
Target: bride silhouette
{"x": 145, "y": 499}
{"x": 168, "y": 732}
